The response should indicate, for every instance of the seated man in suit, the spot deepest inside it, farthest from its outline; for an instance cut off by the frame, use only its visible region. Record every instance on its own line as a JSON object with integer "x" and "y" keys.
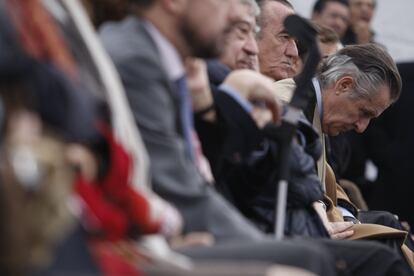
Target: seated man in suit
{"x": 333, "y": 117}
{"x": 148, "y": 49}
{"x": 352, "y": 87}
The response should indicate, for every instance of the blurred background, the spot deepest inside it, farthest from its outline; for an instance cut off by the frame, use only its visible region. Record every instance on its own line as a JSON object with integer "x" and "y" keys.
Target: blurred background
{"x": 393, "y": 23}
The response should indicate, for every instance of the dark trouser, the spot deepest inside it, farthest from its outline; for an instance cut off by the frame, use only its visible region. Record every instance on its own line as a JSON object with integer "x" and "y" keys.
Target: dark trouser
{"x": 365, "y": 258}
{"x": 322, "y": 257}
{"x": 309, "y": 256}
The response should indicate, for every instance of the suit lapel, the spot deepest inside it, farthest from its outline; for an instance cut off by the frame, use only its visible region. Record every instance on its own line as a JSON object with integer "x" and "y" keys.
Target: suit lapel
{"x": 171, "y": 87}
{"x": 312, "y": 114}
{"x": 321, "y": 165}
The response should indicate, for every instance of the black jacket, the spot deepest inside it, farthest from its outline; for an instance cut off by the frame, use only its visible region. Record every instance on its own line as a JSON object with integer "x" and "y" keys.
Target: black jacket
{"x": 244, "y": 162}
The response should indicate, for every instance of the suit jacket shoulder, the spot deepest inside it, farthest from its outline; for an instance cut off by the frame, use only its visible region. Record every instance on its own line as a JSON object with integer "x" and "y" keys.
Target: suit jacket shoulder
{"x": 136, "y": 57}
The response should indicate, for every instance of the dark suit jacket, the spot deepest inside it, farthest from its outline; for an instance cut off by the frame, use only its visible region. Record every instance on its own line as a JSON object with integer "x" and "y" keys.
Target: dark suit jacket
{"x": 154, "y": 103}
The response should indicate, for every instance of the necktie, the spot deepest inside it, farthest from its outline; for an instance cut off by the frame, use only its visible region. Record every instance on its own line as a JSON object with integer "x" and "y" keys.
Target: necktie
{"x": 193, "y": 146}
{"x": 185, "y": 115}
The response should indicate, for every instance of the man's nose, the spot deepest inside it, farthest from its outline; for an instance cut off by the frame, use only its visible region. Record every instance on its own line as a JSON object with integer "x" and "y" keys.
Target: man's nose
{"x": 291, "y": 48}
{"x": 251, "y": 46}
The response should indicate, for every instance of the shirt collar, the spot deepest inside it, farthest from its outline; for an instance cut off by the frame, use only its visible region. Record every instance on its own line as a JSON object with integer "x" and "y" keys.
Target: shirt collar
{"x": 318, "y": 93}
{"x": 170, "y": 58}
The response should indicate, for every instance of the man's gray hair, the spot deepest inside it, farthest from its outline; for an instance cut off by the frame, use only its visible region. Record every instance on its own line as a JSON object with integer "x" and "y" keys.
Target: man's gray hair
{"x": 254, "y": 7}
{"x": 369, "y": 65}
{"x": 141, "y": 3}
{"x": 264, "y": 14}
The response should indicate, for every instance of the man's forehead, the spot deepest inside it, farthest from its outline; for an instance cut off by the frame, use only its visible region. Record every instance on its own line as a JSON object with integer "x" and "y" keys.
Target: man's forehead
{"x": 379, "y": 101}
{"x": 336, "y": 7}
{"x": 242, "y": 13}
{"x": 278, "y": 7}
{"x": 276, "y": 12}
{"x": 371, "y": 2}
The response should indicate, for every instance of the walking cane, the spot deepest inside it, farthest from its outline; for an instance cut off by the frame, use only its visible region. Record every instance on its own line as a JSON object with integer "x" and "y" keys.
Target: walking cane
{"x": 303, "y": 31}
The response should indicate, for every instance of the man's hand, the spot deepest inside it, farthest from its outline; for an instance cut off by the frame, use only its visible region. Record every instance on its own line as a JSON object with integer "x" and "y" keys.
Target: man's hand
{"x": 261, "y": 116}
{"x": 256, "y": 88}
{"x": 336, "y": 230}
{"x": 339, "y": 230}
{"x": 198, "y": 85}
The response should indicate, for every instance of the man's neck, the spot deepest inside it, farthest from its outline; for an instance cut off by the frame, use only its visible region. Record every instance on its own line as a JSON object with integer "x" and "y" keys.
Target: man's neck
{"x": 170, "y": 57}
{"x": 167, "y": 25}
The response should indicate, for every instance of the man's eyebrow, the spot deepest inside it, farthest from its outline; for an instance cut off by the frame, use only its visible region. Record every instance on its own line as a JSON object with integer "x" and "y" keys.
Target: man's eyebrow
{"x": 284, "y": 32}
{"x": 242, "y": 21}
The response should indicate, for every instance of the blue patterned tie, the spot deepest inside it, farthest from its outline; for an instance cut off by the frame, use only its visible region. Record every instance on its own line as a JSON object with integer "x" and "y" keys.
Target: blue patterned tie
{"x": 186, "y": 115}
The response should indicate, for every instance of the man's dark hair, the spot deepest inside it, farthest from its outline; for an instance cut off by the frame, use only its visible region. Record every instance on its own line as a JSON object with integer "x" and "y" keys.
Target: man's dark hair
{"x": 374, "y": 2}
{"x": 141, "y": 3}
{"x": 320, "y": 5}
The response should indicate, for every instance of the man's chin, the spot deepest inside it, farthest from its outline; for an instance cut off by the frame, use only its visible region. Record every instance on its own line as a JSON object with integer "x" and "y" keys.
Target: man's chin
{"x": 333, "y": 132}
{"x": 336, "y": 132}
{"x": 202, "y": 47}
{"x": 280, "y": 75}
{"x": 244, "y": 65}
{"x": 206, "y": 51}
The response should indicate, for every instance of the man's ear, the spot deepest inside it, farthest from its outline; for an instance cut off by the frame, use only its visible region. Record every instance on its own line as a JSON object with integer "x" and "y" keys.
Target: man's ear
{"x": 344, "y": 84}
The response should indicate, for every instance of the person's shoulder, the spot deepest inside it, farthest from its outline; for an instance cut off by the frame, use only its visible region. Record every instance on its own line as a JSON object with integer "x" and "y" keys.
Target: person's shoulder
{"x": 126, "y": 40}
{"x": 283, "y": 89}
{"x": 216, "y": 71}
{"x": 119, "y": 29}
